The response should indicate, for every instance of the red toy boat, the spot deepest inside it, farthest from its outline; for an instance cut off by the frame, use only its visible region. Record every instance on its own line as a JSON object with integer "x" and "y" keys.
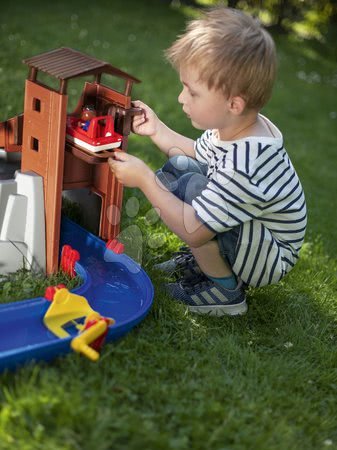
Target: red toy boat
{"x": 95, "y": 136}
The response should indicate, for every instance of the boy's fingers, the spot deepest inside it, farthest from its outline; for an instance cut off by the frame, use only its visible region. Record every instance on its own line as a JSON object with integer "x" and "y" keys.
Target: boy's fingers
{"x": 137, "y": 103}
{"x": 141, "y": 105}
{"x": 120, "y": 156}
{"x": 139, "y": 119}
{"x": 111, "y": 163}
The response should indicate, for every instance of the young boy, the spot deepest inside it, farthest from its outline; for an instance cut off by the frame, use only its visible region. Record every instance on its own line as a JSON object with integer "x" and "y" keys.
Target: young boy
{"x": 232, "y": 195}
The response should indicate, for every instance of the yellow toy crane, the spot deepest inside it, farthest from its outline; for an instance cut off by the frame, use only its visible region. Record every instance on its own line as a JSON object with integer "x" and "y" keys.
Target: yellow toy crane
{"x": 67, "y": 308}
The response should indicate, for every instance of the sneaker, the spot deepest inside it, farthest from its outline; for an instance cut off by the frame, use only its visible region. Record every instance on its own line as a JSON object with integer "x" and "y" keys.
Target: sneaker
{"x": 201, "y": 295}
{"x": 182, "y": 264}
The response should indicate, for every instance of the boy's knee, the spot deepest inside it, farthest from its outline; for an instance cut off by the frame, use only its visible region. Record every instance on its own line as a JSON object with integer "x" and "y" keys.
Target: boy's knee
{"x": 181, "y": 162}
{"x": 192, "y": 184}
{"x": 176, "y": 164}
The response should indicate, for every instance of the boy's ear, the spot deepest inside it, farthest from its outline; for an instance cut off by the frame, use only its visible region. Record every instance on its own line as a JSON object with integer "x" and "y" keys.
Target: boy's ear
{"x": 237, "y": 105}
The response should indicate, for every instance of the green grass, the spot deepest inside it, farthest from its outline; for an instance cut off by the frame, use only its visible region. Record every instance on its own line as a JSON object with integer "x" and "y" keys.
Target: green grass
{"x": 265, "y": 381}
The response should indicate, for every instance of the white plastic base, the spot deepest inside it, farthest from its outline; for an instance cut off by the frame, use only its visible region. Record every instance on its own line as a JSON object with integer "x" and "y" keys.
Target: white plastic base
{"x": 93, "y": 148}
{"x": 22, "y": 223}
{"x": 16, "y": 256}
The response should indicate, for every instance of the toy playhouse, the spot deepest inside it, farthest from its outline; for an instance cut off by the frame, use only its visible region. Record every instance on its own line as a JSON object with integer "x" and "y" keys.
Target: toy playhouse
{"x": 60, "y": 151}
{"x": 40, "y": 134}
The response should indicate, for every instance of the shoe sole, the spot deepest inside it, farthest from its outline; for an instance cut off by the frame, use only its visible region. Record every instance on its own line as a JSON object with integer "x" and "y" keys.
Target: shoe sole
{"x": 223, "y": 310}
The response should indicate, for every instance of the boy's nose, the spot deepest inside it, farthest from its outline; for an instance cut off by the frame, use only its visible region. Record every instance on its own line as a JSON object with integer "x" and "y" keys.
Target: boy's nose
{"x": 180, "y": 98}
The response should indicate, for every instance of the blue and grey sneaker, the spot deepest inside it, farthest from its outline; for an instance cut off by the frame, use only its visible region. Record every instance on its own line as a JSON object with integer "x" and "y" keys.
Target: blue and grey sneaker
{"x": 201, "y": 295}
{"x": 182, "y": 264}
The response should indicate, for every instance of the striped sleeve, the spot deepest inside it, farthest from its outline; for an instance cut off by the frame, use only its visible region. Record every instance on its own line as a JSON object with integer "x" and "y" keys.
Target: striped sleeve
{"x": 201, "y": 147}
{"x": 230, "y": 198}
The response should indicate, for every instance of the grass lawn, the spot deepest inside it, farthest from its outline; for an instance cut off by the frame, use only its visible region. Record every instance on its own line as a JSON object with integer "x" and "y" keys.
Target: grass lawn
{"x": 264, "y": 381}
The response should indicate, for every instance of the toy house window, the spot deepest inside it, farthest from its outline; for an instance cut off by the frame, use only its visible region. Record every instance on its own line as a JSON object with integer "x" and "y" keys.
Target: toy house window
{"x": 36, "y": 104}
{"x": 34, "y": 144}
{"x": 114, "y": 82}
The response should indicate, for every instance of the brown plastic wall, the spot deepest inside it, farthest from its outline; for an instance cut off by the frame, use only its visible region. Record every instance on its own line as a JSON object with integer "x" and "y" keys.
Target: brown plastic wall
{"x": 43, "y": 146}
{"x": 11, "y": 134}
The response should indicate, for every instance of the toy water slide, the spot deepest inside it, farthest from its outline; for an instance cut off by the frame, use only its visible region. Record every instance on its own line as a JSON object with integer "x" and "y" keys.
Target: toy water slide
{"x": 114, "y": 285}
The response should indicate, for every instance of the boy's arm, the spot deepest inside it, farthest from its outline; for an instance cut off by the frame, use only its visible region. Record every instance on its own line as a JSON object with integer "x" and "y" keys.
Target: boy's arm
{"x": 172, "y": 143}
{"x": 180, "y": 217}
{"x": 167, "y": 140}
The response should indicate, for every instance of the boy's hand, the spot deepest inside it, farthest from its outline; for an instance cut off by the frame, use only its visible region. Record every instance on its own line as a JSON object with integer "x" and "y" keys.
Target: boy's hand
{"x": 147, "y": 123}
{"x": 129, "y": 170}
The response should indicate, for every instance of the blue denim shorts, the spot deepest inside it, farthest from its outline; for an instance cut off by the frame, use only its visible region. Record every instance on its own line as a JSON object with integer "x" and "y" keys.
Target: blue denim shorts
{"x": 186, "y": 179}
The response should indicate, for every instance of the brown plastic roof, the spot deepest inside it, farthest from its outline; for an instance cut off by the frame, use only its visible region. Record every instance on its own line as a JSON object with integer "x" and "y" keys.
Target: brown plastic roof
{"x": 65, "y": 63}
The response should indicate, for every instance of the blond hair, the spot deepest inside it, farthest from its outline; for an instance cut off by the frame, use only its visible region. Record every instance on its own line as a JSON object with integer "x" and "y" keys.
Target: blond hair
{"x": 232, "y": 53}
